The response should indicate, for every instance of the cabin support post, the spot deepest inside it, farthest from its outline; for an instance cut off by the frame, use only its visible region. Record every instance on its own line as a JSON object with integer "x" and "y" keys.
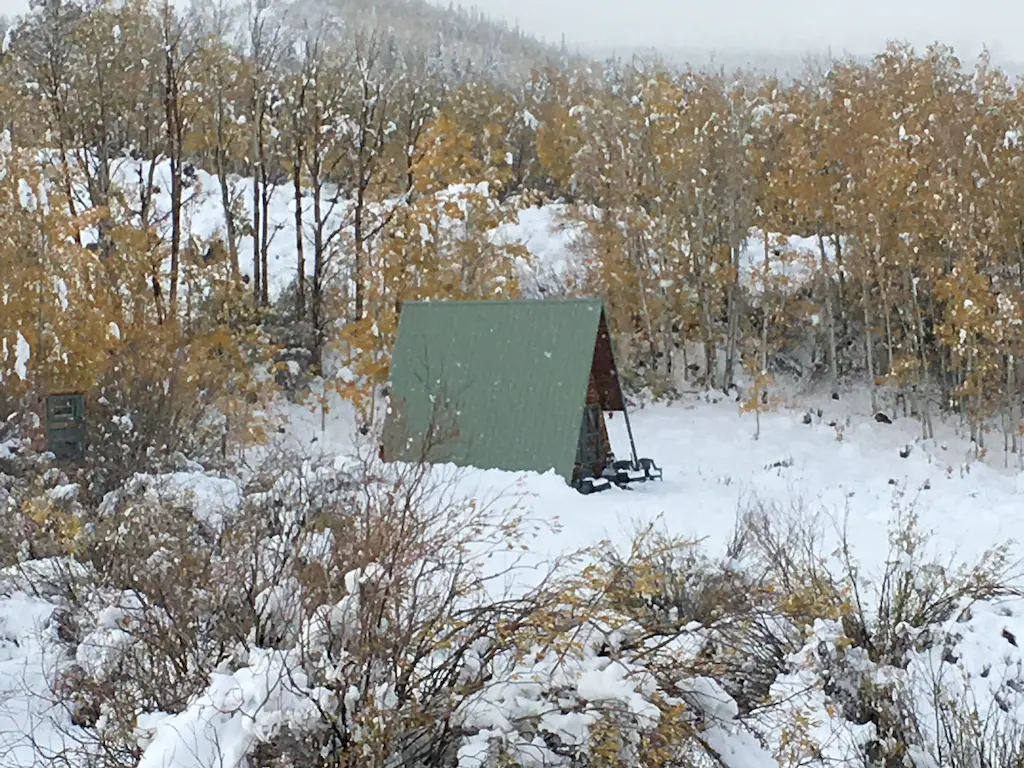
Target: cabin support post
{"x": 632, "y": 443}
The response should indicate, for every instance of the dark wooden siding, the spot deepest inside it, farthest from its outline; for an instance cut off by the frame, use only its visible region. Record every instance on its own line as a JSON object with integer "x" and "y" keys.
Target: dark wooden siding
{"x": 603, "y": 373}
{"x": 594, "y": 398}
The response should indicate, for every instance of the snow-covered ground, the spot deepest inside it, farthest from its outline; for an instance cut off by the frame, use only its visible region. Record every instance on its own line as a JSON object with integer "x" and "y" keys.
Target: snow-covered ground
{"x": 31, "y": 726}
{"x": 851, "y": 473}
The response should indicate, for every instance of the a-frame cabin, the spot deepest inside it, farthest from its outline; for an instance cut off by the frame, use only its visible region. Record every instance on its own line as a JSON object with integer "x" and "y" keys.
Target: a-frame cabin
{"x": 512, "y": 385}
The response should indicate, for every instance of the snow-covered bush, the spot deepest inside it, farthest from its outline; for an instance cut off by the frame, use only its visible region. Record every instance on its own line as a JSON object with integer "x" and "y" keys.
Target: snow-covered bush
{"x": 41, "y": 510}
{"x": 372, "y": 594}
{"x": 824, "y": 662}
{"x": 748, "y": 609}
{"x": 885, "y": 659}
{"x": 968, "y": 692}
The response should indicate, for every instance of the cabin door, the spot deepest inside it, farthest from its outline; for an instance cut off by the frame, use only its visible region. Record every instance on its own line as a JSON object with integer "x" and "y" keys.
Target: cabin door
{"x": 590, "y": 452}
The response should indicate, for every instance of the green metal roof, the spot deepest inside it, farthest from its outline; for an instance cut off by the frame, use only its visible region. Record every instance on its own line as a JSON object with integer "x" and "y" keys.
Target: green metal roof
{"x": 510, "y": 376}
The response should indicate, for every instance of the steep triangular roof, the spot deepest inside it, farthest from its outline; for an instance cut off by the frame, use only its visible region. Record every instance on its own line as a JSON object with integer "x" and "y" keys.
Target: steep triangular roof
{"x": 503, "y": 383}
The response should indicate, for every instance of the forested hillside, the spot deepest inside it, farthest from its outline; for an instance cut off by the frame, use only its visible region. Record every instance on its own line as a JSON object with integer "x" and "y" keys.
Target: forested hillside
{"x": 403, "y": 153}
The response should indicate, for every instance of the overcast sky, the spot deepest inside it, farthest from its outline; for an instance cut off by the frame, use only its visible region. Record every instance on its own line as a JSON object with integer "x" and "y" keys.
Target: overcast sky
{"x": 768, "y": 26}
{"x": 776, "y": 26}
{"x": 12, "y": 7}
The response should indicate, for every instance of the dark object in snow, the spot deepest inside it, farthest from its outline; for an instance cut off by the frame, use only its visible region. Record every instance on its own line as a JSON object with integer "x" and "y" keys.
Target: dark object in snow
{"x": 881, "y": 418}
{"x": 808, "y": 418}
{"x": 515, "y": 385}
{"x": 835, "y": 395}
{"x": 65, "y": 426}
{"x": 905, "y": 451}
{"x": 1009, "y": 637}
{"x": 927, "y": 486}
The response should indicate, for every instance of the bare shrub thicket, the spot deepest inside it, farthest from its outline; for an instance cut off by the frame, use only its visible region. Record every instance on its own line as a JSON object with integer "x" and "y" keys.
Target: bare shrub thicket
{"x": 966, "y": 730}
{"x": 779, "y": 600}
{"x": 908, "y": 610}
{"x": 916, "y": 591}
{"x": 413, "y": 608}
{"x": 749, "y": 608}
{"x": 408, "y": 621}
{"x": 886, "y": 624}
{"x": 370, "y": 578}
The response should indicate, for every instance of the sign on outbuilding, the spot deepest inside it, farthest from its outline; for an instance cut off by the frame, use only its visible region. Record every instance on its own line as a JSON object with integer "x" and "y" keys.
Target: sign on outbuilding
{"x": 65, "y": 426}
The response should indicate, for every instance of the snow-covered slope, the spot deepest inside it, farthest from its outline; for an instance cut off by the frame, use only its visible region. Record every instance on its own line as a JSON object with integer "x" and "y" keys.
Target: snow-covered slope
{"x": 546, "y": 231}
{"x": 842, "y": 466}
